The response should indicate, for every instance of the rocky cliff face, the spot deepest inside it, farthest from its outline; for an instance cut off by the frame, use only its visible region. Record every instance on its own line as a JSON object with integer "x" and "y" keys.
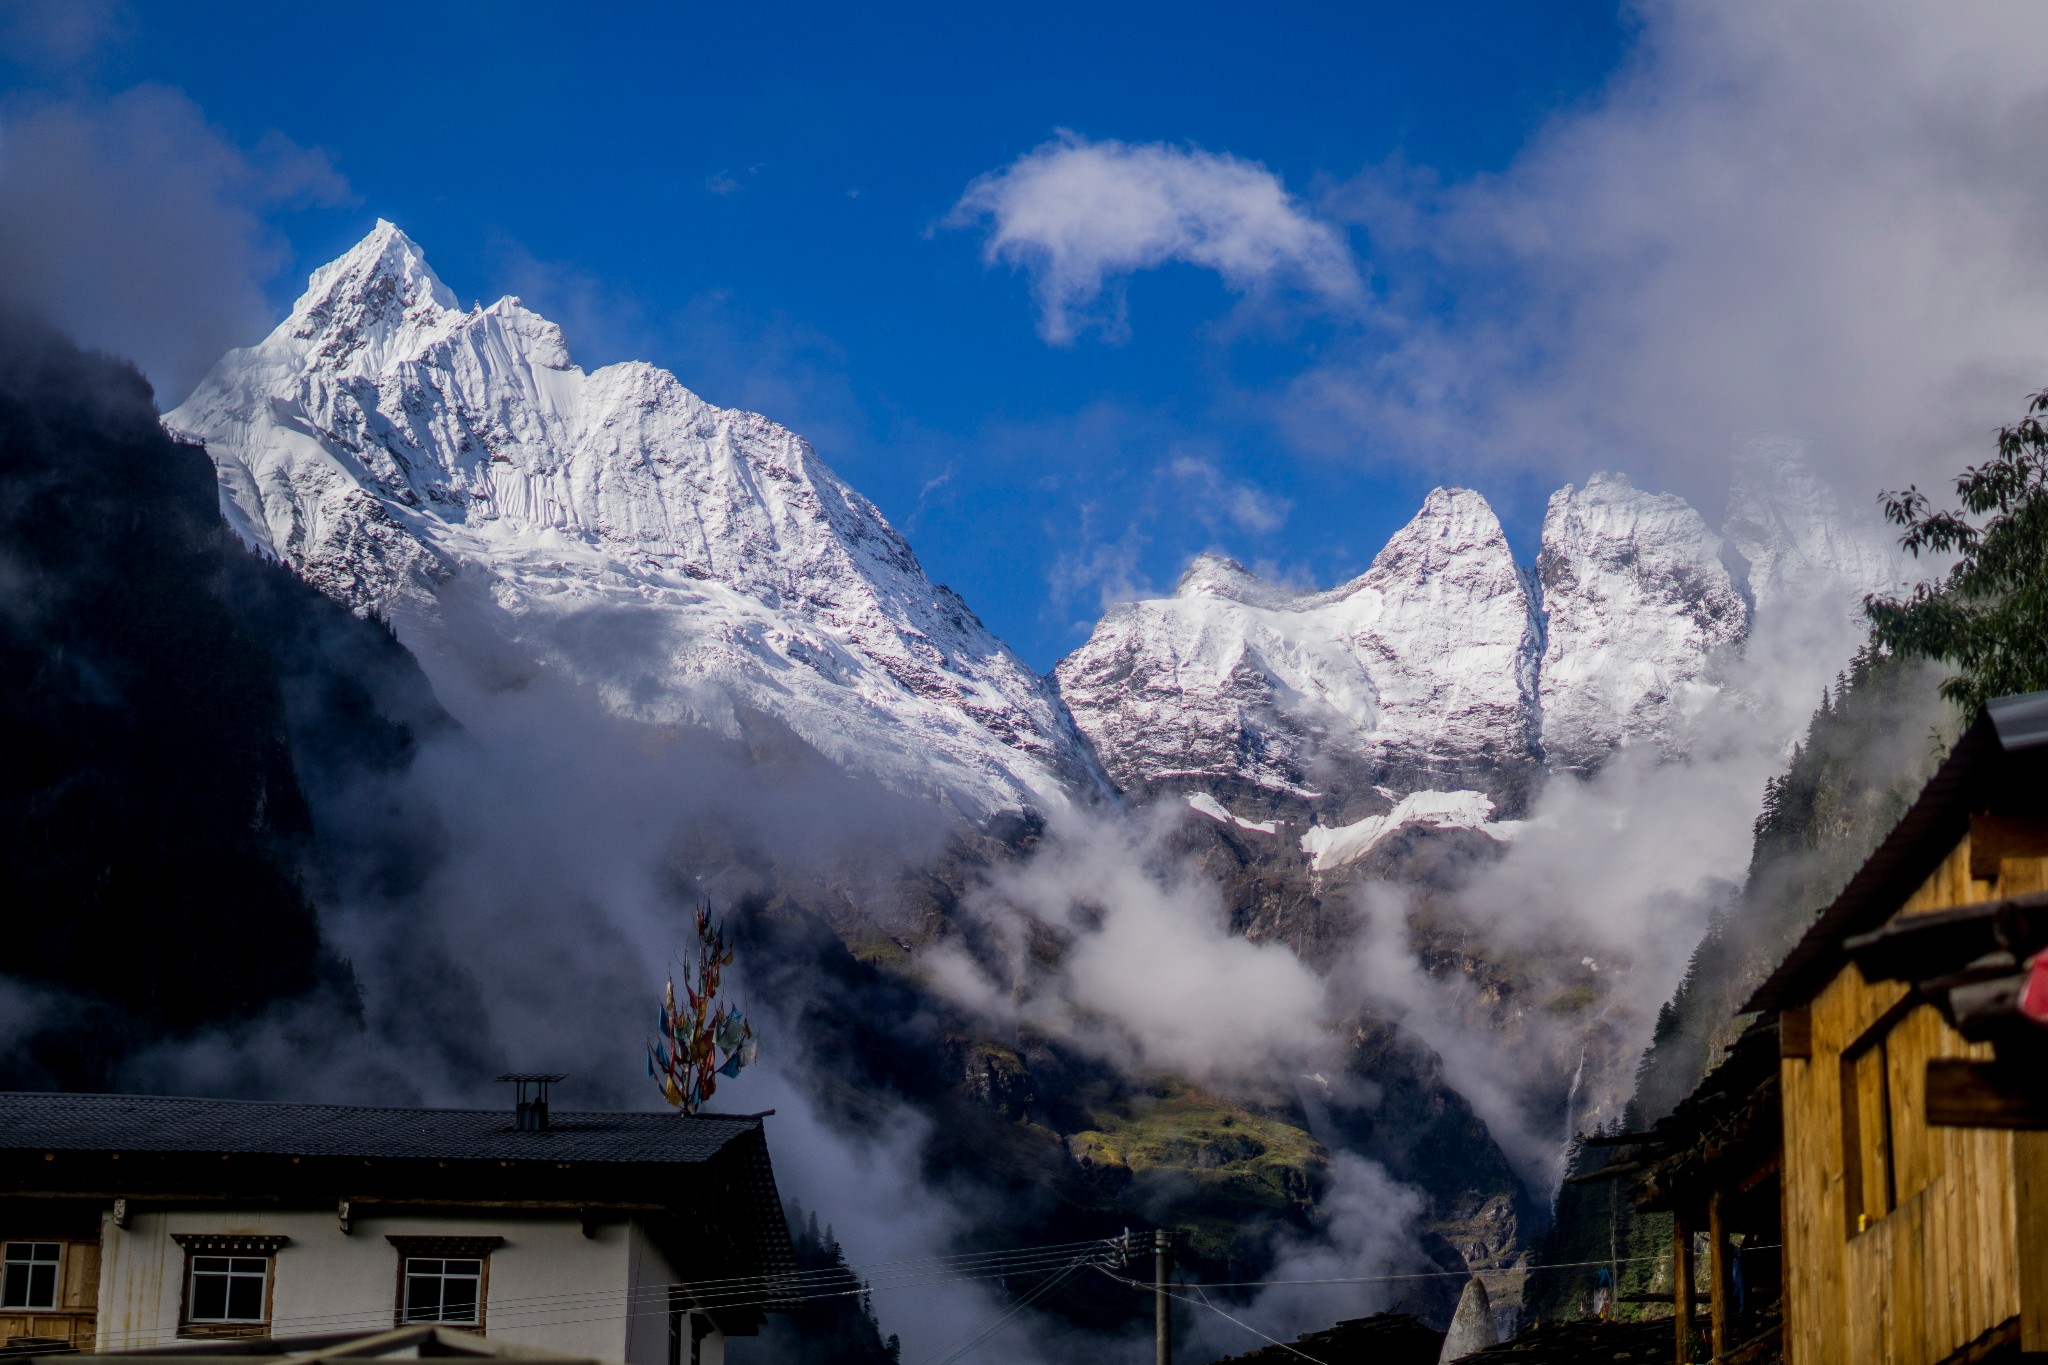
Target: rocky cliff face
{"x": 1637, "y": 605}
{"x": 455, "y": 470}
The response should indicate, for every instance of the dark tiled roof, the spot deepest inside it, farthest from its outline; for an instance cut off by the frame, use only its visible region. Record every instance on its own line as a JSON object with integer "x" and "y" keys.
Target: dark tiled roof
{"x": 1587, "y": 1340}
{"x": 40, "y": 1121}
{"x": 1382, "y": 1339}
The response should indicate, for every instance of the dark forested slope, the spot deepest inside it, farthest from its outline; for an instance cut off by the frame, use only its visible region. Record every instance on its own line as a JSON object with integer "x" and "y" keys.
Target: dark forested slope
{"x": 164, "y": 698}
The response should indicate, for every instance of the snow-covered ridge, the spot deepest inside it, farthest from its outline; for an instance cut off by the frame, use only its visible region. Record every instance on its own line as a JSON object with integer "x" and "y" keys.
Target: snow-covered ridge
{"x": 1637, "y": 605}
{"x": 1792, "y": 531}
{"x": 691, "y": 563}
{"x": 1445, "y": 666}
{"x": 1423, "y": 666}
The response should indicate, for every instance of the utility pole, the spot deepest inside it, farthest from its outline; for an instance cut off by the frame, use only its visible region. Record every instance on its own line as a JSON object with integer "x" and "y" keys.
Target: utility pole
{"x": 1162, "y": 1302}
{"x": 1613, "y": 1248}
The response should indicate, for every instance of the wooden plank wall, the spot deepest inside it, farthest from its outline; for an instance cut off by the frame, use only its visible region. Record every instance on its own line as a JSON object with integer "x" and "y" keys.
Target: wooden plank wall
{"x": 78, "y": 1298}
{"x": 1944, "y": 1265}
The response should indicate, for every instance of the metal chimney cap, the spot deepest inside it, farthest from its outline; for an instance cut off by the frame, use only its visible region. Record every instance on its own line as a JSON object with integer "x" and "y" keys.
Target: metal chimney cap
{"x": 542, "y": 1076}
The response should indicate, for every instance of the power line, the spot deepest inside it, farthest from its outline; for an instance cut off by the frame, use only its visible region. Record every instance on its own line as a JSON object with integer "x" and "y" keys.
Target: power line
{"x": 1014, "y": 1310}
{"x": 1389, "y": 1279}
{"x": 1248, "y": 1327}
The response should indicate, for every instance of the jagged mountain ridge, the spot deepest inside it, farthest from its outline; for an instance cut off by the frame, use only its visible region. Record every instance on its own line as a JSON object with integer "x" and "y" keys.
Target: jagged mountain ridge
{"x": 1637, "y": 605}
{"x": 455, "y": 471}
{"x": 1445, "y": 667}
{"x": 1419, "y": 672}
{"x": 699, "y": 565}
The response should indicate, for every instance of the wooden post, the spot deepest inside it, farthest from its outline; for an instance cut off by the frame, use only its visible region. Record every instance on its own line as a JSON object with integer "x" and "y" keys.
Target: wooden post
{"x": 1162, "y": 1303}
{"x": 2030, "y": 1163}
{"x": 1718, "y": 1283}
{"x": 1681, "y": 1285}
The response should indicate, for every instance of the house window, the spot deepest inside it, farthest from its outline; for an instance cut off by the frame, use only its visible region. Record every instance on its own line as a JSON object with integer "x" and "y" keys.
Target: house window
{"x": 229, "y": 1289}
{"x": 228, "y": 1280}
{"x": 443, "y": 1289}
{"x": 29, "y": 1281}
{"x": 1869, "y": 1181}
{"x": 1889, "y": 1154}
{"x": 444, "y": 1279}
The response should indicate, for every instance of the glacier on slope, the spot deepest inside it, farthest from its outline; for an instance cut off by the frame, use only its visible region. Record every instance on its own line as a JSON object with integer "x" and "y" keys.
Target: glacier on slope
{"x": 453, "y": 469}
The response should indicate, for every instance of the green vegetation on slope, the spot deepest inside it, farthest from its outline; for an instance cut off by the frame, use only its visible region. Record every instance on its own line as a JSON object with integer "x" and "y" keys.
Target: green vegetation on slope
{"x": 1236, "y": 1171}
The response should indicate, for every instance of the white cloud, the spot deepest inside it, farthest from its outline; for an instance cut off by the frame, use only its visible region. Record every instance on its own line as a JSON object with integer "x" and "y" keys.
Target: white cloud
{"x": 61, "y": 35}
{"x": 1822, "y": 218}
{"x": 1207, "y": 494}
{"x": 139, "y": 228}
{"x": 1081, "y": 215}
{"x": 1151, "y": 975}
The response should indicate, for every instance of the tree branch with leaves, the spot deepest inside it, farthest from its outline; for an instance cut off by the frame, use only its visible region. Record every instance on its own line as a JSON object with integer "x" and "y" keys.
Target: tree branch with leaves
{"x": 1988, "y": 616}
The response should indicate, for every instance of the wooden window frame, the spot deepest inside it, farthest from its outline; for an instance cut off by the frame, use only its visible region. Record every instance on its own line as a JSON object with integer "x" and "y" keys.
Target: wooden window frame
{"x": 198, "y": 1244}
{"x": 477, "y": 1249}
{"x": 1860, "y": 1212}
{"x": 55, "y": 1304}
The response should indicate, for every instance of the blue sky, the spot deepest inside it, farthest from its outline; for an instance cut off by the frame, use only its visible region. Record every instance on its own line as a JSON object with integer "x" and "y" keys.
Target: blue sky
{"x": 1540, "y": 239}
{"x": 755, "y": 197}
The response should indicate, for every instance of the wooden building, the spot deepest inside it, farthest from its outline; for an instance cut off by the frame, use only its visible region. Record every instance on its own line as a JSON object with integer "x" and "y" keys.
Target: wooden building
{"x": 1715, "y": 1164}
{"x": 137, "y": 1221}
{"x": 1912, "y": 1222}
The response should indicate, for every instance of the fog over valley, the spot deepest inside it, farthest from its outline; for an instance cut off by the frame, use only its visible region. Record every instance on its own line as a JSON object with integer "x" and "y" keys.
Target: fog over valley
{"x": 1388, "y": 584}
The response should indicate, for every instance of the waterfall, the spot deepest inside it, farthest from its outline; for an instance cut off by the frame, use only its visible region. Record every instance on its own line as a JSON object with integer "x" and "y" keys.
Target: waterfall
{"x": 1571, "y": 1099}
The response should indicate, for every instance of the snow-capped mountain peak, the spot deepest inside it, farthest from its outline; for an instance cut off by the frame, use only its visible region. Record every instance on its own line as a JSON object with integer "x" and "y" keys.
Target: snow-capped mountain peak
{"x": 1637, "y": 605}
{"x": 690, "y": 563}
{"x": 379, "y": 301}
{"x": 1419, "y": 669}
{"x": 1213, "y": 575}
{"x": 1800, "y": 544}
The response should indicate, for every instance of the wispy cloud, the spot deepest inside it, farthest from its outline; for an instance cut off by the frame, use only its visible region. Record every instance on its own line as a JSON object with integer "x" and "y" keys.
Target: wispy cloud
{"x": 1211, "y": 497}
{"x": 62, "y": 35}
{"x": 1821, "y": 218}
{"x": 141, "y": 229}
{"x": 1080, "y": 216}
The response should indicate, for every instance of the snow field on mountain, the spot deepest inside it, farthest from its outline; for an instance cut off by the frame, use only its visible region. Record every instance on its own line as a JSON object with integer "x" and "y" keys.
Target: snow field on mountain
{"x": 1329, "y": 848}
{"x": 1208, "y": 805}
{"x": 1425, "y": 660}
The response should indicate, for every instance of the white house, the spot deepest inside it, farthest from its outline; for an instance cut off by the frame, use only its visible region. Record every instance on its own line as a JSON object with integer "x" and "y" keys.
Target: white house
{"x": 135, "y": 1221}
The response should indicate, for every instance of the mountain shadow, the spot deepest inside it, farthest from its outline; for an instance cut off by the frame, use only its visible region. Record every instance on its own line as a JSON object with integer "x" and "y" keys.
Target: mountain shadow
{"x": 172, "y": 711}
